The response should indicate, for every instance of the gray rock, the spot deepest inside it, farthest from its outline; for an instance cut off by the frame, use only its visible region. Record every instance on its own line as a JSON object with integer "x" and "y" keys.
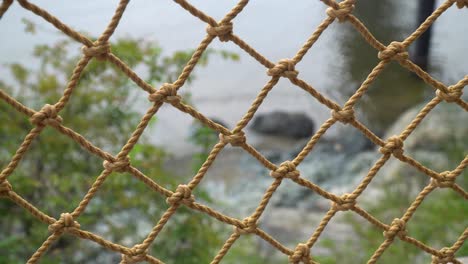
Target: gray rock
{"x": 351, "y": 140}
{"x": 439, "y": 143}
{"x": 292, "y": 125}
{"x": 347, "y": 141}
{"x": 334, "y": 164}
{"x": 290, "y": 225}
{"x": 446, "y": 124}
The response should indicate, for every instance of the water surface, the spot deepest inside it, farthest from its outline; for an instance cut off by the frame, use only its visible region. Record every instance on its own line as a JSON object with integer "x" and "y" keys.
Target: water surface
{"x": 335, "y": 65}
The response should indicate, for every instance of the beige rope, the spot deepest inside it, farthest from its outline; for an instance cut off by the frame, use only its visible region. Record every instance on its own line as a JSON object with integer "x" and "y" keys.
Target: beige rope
{"x": 344, "y": 116}
{"x": 301, "y": 254}
{"x": 46, "y": 116}
{"x": 284, "y": 68}
{"x": 222, "y": 31}
{"x": 64, "y": 224}
{"x": 235, "y": 140}
{"x": 342, "y": 10}
{"x": 119, "y": 165}
{"x": 4, "y": 7}
{"x": 287, "y": 169}
{"x": 167, "y": 93}
{"x": 98, "y": 50}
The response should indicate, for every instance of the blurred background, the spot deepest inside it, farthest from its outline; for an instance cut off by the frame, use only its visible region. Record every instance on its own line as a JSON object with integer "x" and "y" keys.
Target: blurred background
{"x": 156, "y": 39}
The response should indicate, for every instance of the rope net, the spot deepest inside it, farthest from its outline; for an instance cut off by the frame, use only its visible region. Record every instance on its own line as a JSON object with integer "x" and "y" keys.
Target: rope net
{"x": 68, "y": 222}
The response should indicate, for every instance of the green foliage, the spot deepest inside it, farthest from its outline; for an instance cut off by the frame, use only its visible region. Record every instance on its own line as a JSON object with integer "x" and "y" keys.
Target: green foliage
{"x": 204, "y": 138}
{"x": 246, "y": 250}
{"x": 56, "y": 172}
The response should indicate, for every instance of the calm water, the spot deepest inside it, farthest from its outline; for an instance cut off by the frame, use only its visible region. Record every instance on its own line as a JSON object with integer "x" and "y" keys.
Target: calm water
{"x": 335, "y": 65}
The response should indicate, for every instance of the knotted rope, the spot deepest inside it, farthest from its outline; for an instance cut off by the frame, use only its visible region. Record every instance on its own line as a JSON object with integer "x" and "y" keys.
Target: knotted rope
{"x": 345, "y": 203}
{"x": 222, "y": 31}
{"x": 397, "y": 228}
{"x": 5, "y": 188}
{"x": 301, "y": 254}
{"x": 183, "y": 194}
{"x": 138, "y": 255}
{"x": 452, "y": 95}
{"x": 445, "y": 180}
{"x": 64, "y": 224}
{"x": 46, "y": 116}
{"x": 394, "y": 145}
{"x": 394, "y": 51}
{"x": 341, "y": 13}
{"x": 98, "y": 50}
{"x": 284, "y": 68}
{"x": 249, "y": 226}
{"x": 344, "y": 116}
{"x": 237, "y": 139}
{"x": 445, "y": 258}
{"x": 286, "y": 169}
{"x": 101, "y": 50}
{"x": 120, "y": 165}
{"x": 167, "y": 93}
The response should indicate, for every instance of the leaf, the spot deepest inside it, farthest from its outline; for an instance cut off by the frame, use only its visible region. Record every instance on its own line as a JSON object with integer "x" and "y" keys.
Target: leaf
{"x": 30, "y": 27}
{"x": 19, "y": 72}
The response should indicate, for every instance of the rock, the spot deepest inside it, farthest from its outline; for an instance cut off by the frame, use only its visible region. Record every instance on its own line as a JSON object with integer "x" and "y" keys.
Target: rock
{"x": 294, "y": 211}
{"x": 347, "y": 140}
{"x": 398, "y": 176}
{"x": 439, "y": 143}
{"x": 290, "y": 225}
{"x": 338, "y": 166}
{"x": 351, "y": 140}
{"x": 333, "y": 162}
{"x": 446, "y": 124}
{"x": 292, "y": 125}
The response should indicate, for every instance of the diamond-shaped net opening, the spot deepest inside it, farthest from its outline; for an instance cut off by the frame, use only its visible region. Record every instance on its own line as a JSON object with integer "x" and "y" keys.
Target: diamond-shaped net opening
{"x": 182, "y": 196}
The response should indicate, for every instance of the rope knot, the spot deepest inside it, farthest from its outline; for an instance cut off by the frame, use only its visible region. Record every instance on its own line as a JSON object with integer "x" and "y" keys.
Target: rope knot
{"x": 284, "y": 68}
{"x": 451, "y": 96}
{"x": 286, "y": 169}
{"x": 462, "y": 3}
{"x": 98, "y": 50}
{"x": 65, "y": 223}
{"x": 138, "y": 254}
{"x": 46, "y": 116}
{"x": 235, "y": 140}
{"x": 345, "y": 203}
{"x": 222, "y": 31}
{"x": 394, "y": 145}
{"x": 446, "y": 256}
{"x": 119, "y": 165}
{"x": 342, "y": 12}
{"x": 249, "y": 226}
{"x": 445, "y": 180}
{"x": 344, "y": 115}
{"x": 5, "y": 188}
{"x": 301, "y": 253}
{"x": 183, "y": 194}
{"x": 394, "y": 51}
{"x": 397, "y": 228}
{"x": 167, "y": 93}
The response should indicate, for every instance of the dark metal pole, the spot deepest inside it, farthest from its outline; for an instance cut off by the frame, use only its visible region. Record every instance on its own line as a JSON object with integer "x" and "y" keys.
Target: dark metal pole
{"x": 422, "y": 49}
